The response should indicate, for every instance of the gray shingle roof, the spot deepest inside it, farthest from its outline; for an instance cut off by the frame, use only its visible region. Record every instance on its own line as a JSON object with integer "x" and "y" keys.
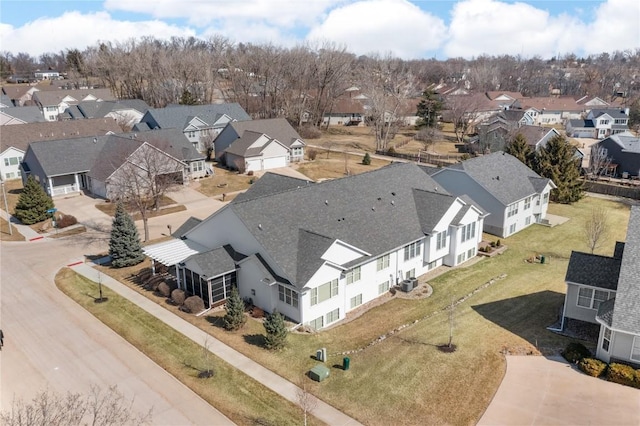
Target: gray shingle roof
{"x": 626, "y": 314}
{"x": 54, "y": 97}
{"x": 240, "y": 147}
{"x": 185, "y": 227}
{"x": 113, "y": 154}
{"x": 28, "y": 114}
{"x": 613, "y": 113}
{"x": 346, "y": 209}
{"x": 503, "y": 175}
{"x": 277, "y": 128}
{"x": 593, "y": 270}
{"x": 533, "y": 134}
{"x": 94, "y": 109}
{"x": 65, "y": 156}
{"x": 269, "y": 184}
{"x": 214, "y": 262}
{"x": 605, "y": 311}
{"x": 19, "y": 136}
{"x": 171, "y": 141}
{"x": 178, "y": 116}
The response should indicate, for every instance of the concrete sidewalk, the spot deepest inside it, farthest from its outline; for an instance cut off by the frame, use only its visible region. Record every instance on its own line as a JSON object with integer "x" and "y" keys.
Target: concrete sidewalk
{"x": 28, "y": 233}
{"x": 286, "y": 389}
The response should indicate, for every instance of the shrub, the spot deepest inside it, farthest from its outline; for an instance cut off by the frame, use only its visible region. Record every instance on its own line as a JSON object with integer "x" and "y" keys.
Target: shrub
{"x": 276, "y": 330}
{"x": 366, "y": 160}
{"x": 250, "y": 173}
{"x": 312, "y": 154}
{"x": 193, "y": 305}
{"x": 592, "y": 367}
{"x": 309, "y": 132}
{"x": 66, "y": 220}
{"x": 575, "y": 352}
{"x": 498, "y": 243}
{"x": 178, "y": 296}
{"x": 234, "y": 318}
{"x": 391, "y": 150}
{"x": 492, "y": 243}
{"x": 624, "y": 375}
{"x": 165, "y": 288}
{"x": 153, "y": 282}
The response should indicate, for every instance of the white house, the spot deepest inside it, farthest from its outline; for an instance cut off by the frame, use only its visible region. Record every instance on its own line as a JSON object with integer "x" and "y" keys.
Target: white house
{"x": 513, "y": 194}
{"x": 54, "y": 103}
{"x": 605, "y": 290}
{"x": 315, "y": 252}
{"x": 10, "y": 160}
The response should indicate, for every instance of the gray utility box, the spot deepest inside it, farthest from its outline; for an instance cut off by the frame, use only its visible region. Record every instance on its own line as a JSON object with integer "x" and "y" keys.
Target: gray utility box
{"x": 319, "y": 373}
{"x": 406, "y": 286}
{"x": 414, "y": 282}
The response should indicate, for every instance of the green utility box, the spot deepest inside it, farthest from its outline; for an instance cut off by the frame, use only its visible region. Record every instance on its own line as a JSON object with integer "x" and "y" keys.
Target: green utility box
{"x": 346, "y": 361}
{"x": 319, "y": 373}
{"x": 542, "y": 259}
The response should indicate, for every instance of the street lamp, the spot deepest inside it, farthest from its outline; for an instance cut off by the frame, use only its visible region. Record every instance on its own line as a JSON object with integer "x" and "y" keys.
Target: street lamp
{"x": 6, "y": 208}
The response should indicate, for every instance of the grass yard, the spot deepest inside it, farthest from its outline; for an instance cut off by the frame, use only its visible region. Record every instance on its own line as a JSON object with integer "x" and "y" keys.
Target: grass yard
{"x": 110, "y": 208}
{"x": 223, "y": 181}
{"x": 406, "y": 373}
{"x": 332, "y": 165}
{"x": 4, "y": 232}
{"x": 242, "y": 399}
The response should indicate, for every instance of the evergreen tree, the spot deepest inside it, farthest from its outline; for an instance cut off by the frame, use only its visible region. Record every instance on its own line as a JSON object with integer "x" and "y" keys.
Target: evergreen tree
{"x": 187, "y": 98}
{"x": 33, "y": 203}
{"x": 519, "y": 148}
{"x": 235, "y": 318}
{"x": 557, "y": 162}
{"x": 276, "y": 331}
{"x": 428, "y": 109}
{"x": 124, "y": 245}
{"x": 366, "y": 160}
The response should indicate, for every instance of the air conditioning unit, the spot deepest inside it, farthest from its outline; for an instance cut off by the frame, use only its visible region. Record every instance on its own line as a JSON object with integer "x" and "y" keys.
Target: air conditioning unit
{"x": 414, "y": 282}
{"x": 406, "y": 286}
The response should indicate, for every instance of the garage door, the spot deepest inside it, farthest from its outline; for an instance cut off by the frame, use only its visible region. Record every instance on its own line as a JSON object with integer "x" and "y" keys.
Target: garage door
{"x": 275, "y": 162}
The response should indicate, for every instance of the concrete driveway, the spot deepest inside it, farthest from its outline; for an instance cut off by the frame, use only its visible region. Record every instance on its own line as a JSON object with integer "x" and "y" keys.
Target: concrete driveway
{"x": 548, "y": 391}
{"x": 51, "y": 342}
{"x": 197, "y": 204}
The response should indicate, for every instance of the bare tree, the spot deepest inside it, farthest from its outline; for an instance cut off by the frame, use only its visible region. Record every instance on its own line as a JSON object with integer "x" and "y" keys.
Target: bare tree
{"x": 143, "y": 176}
{"x": 599, "y": 161}
{"x": 306, "y": 400}
{"x": 462, "y": 111}
{"x": 99, "y": 408}
{"x": 596, "y": 228}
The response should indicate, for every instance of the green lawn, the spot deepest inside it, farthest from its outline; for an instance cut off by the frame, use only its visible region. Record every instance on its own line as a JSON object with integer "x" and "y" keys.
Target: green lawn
{"x": 406, "y": 374}
{"x": 239, "y": 397}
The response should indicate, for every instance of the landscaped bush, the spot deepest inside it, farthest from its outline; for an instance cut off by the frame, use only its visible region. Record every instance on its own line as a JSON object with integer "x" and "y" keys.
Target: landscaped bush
{"x": 153, "y": 281}
{"x": 498, "y": 243}
{"x": 178, "y": 296}
{"x": 312, "y": 154}
{"x": 366, "y": 160}
{"x": 165, "y": 288}
{"x": 193, "y": 305}
{"x": 66, "y": 220}
{"x": 593, "y": 367}
{"x": 624, "y": 375}
{"x": 309, "y": 132}
{"x": 575, "y": 352}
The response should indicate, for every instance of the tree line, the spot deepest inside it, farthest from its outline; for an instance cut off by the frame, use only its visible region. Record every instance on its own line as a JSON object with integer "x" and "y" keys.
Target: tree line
{"x": 303, "y": 82}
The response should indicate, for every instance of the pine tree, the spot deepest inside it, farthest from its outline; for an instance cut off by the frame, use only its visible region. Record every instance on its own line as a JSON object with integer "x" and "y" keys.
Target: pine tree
{"x": 33, "y": 203}
{"x": 428, "y": 109}
{"x": 124, "y": 245}
{"x": 276, "y": 331}
{"x": 519, "y": 148}
{"x": 235, "y": 318}
{"x": 557, "y": 162}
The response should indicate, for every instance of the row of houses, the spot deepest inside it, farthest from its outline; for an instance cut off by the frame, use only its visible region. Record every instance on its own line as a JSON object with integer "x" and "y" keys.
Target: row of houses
{"x": 317, "y": 251}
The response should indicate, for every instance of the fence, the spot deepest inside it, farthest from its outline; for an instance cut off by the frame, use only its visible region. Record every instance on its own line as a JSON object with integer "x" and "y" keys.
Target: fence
{"x": 423, "y": 157}
{"x": 613, "y": 189}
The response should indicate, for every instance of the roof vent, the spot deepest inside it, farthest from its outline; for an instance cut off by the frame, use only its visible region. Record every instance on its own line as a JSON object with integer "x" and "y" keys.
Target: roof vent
{"x": 260, "y": 226}
{"x": 393, "y": 203}
{"x": 497, "y": 177}
{"x": 393, "y": 193}
{"x": 373, "y": 208}
{"x": 379, "y": 199}
{"x": 326, "y": 202}
{"x": 95, "y": 140}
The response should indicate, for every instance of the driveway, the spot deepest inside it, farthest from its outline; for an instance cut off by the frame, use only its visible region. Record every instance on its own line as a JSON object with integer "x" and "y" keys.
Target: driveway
{"x": 51, "y": 342}
{"x": 544, "y": 391}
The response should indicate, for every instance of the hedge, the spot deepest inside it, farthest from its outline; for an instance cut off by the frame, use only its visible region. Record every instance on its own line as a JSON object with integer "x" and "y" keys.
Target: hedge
{"x": 592, "y": 367}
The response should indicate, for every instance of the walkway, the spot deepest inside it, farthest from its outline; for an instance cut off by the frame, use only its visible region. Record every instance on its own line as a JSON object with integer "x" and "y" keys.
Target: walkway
{"x": 545, "y": 391}
{"x": 286, "y": 389}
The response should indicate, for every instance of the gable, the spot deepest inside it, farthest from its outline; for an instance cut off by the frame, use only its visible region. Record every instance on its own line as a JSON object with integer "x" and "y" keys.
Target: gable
{"x": 196, "y": 124}
{"x": 68, "y": 99}
{"x": 341, "y": 253}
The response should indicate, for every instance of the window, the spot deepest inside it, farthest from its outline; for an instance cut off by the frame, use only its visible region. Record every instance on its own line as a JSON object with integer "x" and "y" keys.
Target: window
{"x": 333, "y": 316}
{"x": 410, "y": 274}
{"x": 635, "y": 350}
{"x": 317, "y": 323}
{"x": 9, "y": 175}
{"x": 527, "y": 203}
{"x": 527, "y": 221}
{"x": 324, "y": 292}
{"x": 471, "y": 252}
{"x": 52, "y": 108}
{"x": 288, "y": 296}
{"x": 191, "y": 134}
{"x": 52, "y": 117}
{"x": 12, "y": 161}
{"x": 382, "y": 262}
{"x": 356, "y": 301}
{"x": 296, "y": 152}
{"x": 412, "y": 250}
{"x": 431, "y": 265}
{"x": 461, "y": 257}
{"x": 441, "y": 240}
{"x": 606, "y": 339}
{"x": 468, "y": 232}
{"x": 590, "y": 298}
{"x": 512, "y": 210}
{"x": 383, "y": 287}
{"x": 353, "y": 275}
{"x": 512, "y": 228}
{"x": 545, "y": 198}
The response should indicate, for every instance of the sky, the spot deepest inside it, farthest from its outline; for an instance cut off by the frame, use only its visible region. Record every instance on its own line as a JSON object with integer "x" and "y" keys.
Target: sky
{"x": 409, "y": 29}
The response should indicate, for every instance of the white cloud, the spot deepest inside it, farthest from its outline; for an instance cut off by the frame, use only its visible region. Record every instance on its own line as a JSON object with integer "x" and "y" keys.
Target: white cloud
{"x": 369, "y": 26}
{"x": 77, "y": 30}
{"x": 494, "y": 27}
{"x": 279, "y": 13}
